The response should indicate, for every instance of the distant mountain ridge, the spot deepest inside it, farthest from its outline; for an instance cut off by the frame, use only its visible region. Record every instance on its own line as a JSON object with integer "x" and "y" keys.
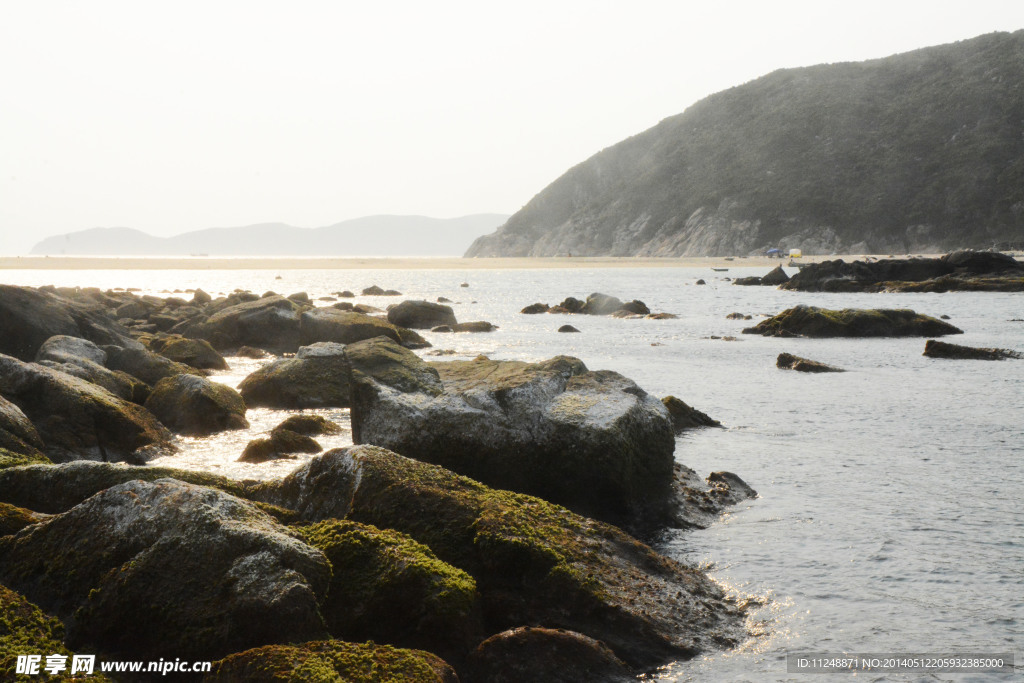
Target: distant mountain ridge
{"x": 917, "y": 152}
{"x": 382, "y": 235}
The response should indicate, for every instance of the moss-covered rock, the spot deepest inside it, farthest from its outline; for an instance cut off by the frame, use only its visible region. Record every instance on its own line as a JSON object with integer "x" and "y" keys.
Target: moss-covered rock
{"x": 331, "y": 661}
{"x": 344, "y": 327}
{"x": 10, "y": 458}
{"x": 271, "y": 323}
{"x": 145, "y": 365}
{"x": 383, "y": 362}
{"x": 120, "y": 384}
{"x": 77, "y": 417}
{"x": 389, "y": 588}
{"x": 58, "y": 488}
{"x": 317, "y": 377}
{"x": 17, "y": 433}
{"x": 937, "y": 349}
{"x": 282, "y": 443}
{"x": 686, "y": 417}
{"x": 167, "y": 569}
{"x": 421, "y": 315}
{"x": 811, "y": 321}
{"x": 788, "y": 361}
{"x": 196, "y": 406}
{"x": 13, "y": 519}
{"x": 534, "y": 562}
{"x": 197, "y": 353}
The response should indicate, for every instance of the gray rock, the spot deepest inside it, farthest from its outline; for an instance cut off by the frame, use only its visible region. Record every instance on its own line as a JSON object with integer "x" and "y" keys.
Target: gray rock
{"x": 343, "y": 327}
{"x": 65, "y": 349}
{"x": 421, "y": 315}
{"x": 147, "y": 568}
{"x": 685, "y": 417}
{"x": 145, "y": 365}
{"x": 197, "y": 353}
{"x": 788, "y": 361}
{"x": 270, "y": 323}
{"x": 601, "y": 304}
{"x": 317, "y": 377}
{"x": 811, "y": 321}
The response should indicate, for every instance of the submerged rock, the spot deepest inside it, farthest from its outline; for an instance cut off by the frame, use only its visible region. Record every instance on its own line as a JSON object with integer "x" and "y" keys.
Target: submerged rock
{"x": 937, "y": 349}
{"x": 567, "y": 328}
{"x": 811, "y": 321}
{"x": 317, "y": 377}
{"x": 476, "y": 326}
{"x": 788, "y": 361}
{"x": 146, "y": 570}
{"x": 332, "y": 660}
{"x": 593, "y": 441}
{"x": 533, "y": 309}
{"x": 282, "y": 443}
{"x": 196, "y": 406}
{"x": 533, "y": 562}
{"x": 545, "y": 654}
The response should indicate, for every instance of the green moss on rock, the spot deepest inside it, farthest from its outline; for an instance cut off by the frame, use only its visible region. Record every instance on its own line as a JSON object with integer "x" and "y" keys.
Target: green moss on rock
{"x": 811, "y": 321}
{"x": 389, "y": 588}
{"x": 331, "y": 661}
{"x": 12, "y": 459}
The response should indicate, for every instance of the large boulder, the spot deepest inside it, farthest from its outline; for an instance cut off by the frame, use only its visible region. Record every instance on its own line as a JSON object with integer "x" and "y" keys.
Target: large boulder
{"x": 84, "y": 359}
{"x": 64, "y": 349}
{"x": 282, "y": 443}
{"x": 195, "y": 406}
{"x": 685, "y": 416}
{"x": 592, "y": 441}
{"x": 28, "y": 317}
{"x": 197, "y": 353}
{"x": 545, "y": 654}
{"x": 17, "y": 433}
{"x": 317, "y": 377}
{"x": 76, "y": 418}
{"x": 270, "y": 323}
{"x": 421, "y": 315}
{"x": 334, "y": 661}
{"x": 601, "y": 304}
{"x": 167, "y": 569}
{"x": 388, "y": 588}
{"x": 937, "y": 349}
{"x": 533, "y": 562}
{"x": 145, "y": 365}
{"x": 776, "y": 276}
{"x": 346, "y": 327}
{"x": 811, "y": 321}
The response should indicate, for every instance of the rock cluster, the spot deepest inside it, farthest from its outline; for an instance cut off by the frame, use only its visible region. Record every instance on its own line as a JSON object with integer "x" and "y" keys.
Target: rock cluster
{"x": 811, "y": 321}
{"x": 596, "y": 304}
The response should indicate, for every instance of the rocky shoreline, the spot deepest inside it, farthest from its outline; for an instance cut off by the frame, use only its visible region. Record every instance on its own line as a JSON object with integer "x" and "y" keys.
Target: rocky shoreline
{"x": 487, "y": 508}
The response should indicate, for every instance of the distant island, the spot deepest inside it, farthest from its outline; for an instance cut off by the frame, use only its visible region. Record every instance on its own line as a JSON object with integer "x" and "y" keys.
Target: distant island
{"x": 369, "y": 236}
{"x": 917, "y": 152}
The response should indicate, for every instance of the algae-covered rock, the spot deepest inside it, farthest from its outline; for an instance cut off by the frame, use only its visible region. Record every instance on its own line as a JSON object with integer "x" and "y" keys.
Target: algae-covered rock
{"x": 9, "y": 458}
{"x": 167, "y": 569}
{"x": 331, "y": 661}
{"x": 13, "y": 518}
{"x": 145, "y": 365}
{"x": 389, "y": 588}
{"x": 344, "y": 327}
{"x": 533, "y": 309}
{"x": 282, "y": 443}
{"x": 534, "y": 562}
{"x": 271, "y": 323}
{"x": 317, "y": 377}
{"x": 76, "y": 418}
{"x": 58, "y": 488}
{"x": 788, "y": 361}
{"x": 421, "y": 315}
{"x": 196, "y": 406}
{"x": 66, "y": 349}
{"x": 380, "y": 361}
{"x": 593, "y": 441}
{"x": 937, "y": 349}
{"x": 686, "y": 417}
{"x": 17, "y": 433}
{"x": 544, "y": 654}
{"x": 197, "y": 353}
{"x": 811, "y": 321}
{"x": 120, "y": 384}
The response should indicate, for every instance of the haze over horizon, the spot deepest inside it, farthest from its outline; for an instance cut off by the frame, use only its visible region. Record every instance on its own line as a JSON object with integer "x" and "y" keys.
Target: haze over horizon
{"x": 169, "y": 118}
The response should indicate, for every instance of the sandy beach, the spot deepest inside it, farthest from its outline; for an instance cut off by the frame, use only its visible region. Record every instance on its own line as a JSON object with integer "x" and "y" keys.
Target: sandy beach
{"x": 359, "y": 263}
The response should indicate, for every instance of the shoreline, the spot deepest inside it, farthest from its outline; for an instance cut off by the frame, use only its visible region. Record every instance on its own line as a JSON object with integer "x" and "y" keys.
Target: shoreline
{"x": 402, "y": 263}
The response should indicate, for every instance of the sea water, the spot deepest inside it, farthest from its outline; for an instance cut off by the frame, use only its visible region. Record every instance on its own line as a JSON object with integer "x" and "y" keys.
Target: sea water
{"x": 889, "y": 516}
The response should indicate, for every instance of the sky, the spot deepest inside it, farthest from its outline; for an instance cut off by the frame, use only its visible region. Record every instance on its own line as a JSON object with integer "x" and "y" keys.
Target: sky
{"x": 176, "y": 116}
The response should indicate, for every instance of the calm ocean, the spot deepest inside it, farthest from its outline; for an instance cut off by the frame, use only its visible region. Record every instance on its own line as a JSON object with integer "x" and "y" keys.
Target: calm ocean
{"x": 889, "y": 518}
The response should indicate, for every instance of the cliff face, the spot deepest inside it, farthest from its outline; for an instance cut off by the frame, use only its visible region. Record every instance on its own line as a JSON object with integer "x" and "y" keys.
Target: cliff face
{"x": 922, "y": 151}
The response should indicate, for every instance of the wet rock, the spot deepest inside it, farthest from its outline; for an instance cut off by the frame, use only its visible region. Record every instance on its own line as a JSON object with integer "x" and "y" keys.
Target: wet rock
{"x": 282, "y": 443}
{"x": 374, "y": 290}
{"x": 346, "y": 327}
{"x": 533, "y": 309}
{"x": 750, "y": 281}
{"x": 387, "y": 587}
{"x": 701, "y": 502}
{"x": 601, "y": 304}
{"x": 635, "y": 306}
{"x": 197, "y": 353}
{"x": 545, "y": 654}
{"x": 567, "y": 328}
{"x": 737, "y": 316}
{"x": 593, "y": 441}
{"x": 120, "y": 384}
{"x": 12, "y": 520}
{"x": 28, "y": 317}
{"x": 443, "y": 300}
{"x": 937, "y": 349}
{"x": 811, "y": 321}
{"x": 317, "y": 377}
{"x": 700, "y": 282}
{"x": 250, "y": 352}
{"x": 332, "y": 660}
{"x": 201, "y": 298}
{"x": 661, "y": 316}
{"x": 76, "y": 418}
{"x": 309, "y": 425}
{"x": 65, "y": 349}
{"x": 421, "y": 315}
{"x": 299, "y": 297}
{"x": 9, "y": 458}
{"x": 345, "y": 294}
{"x": 26, "y": 629}
{"x": 143, "y": 569}
{"x": 533, "y": 562}
{"x": 442, "y": 329}
{"x": 685, "y": 417}
{"x": 788, "y": 361}
{"x": 195, "y": 406}
{"x": 570, "y": 304}
{"x": 776, "y": 276}
{"x": 17, "y": 433}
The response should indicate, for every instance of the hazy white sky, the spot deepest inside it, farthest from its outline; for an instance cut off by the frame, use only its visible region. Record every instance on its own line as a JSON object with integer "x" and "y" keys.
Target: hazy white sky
{"x": 176, "y": 116}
